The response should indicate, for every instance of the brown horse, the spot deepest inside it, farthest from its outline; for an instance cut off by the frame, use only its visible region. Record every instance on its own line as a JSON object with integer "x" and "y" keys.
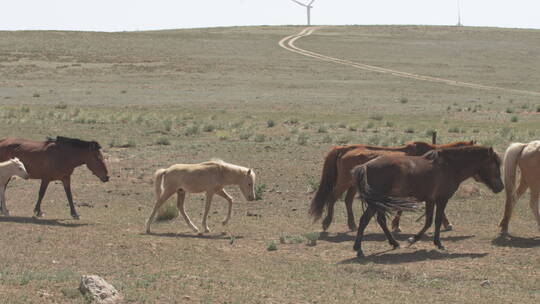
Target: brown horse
{"x": 336, "y": 176}
{"x": 55, "y": 159}
{"x": 399, "y": 182}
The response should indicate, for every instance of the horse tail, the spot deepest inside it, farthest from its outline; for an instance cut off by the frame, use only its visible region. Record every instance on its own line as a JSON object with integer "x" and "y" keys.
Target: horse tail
{"x": 379, "y": 201}
{"x": 511, "y": 158}
{"x": 326, "y": 184}
{"x": 158, "y": 182}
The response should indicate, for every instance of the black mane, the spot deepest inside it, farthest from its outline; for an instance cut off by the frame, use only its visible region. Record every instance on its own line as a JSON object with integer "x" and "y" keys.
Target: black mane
{"x": 74, "y": 142}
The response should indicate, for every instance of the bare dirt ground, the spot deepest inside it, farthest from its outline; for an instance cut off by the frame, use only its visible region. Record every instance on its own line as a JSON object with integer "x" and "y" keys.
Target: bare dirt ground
{"x": 156, "y": 98}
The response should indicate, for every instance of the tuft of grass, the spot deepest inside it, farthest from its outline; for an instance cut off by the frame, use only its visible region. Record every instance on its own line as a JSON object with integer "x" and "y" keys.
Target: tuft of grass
{"x": 370, "y": 125}
{"x": 403, "y": 100}
{"x": 270, "y": 123}
{"x": 409, "y": 130}
{"x": 245, "y": 135}
{"x": 167, "y": 212}
{"x": 259, "y": 190}
{"x": 514, "y": 118}
{"x": 167, "y": 124}
{"x": 327, "y": 139}
{"x": 260, "y": 138}
{"x": 509, "y": 110}
{"x": 36, "y": 95}
{"x": 61, "y": 106}
{"x": 272, "y": 246}
{"x": 538, "y": 108}
{"x": 453, "y": 130}
{"x": 209, "y": 128}
{"x": 162, "y": 141}
{"x": 291, "y": 239}
{"x": 303, "y": 139}
{"x": 322, "y": 129}
{"x": 389, "y": 124}
{"x": 192, "y": 130}
{"x": 312, "y": 238}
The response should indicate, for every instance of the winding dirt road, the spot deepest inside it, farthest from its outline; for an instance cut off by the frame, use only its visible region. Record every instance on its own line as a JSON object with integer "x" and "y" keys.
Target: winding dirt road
{"x": 288, "y": 44}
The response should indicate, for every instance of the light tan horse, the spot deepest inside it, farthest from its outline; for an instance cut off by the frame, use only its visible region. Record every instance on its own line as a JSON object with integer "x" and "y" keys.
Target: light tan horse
{"x": 209, "y": 177}
{"x": 527, "y": 157}
{"x": 12, "y": 167}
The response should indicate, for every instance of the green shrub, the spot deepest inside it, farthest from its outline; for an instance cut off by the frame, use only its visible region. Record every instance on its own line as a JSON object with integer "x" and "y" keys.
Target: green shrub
{"x": 163, "y": 141}
{"x": 272, "y": 246}
{"x": 303, "y": 139}
{"x": 167, "y": 212}
{"x": 270, "y": 123}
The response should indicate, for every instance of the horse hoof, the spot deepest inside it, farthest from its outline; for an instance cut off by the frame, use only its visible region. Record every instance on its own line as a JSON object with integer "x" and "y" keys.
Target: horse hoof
{"x": 352, "y": 228}
{"x": 224, "y": 223}
{"x": 450, "y": 227}
{"x": 38, "y": 214}
{"x": 360, "y": 255}
{"x": 75, "y": 216}
{"x": 5, "y": 213}
{"x": 396, "y": 230}
{"x": 411, "y": 240}
{"x": 441, "y": 247}
{"x": 395, "y": 246}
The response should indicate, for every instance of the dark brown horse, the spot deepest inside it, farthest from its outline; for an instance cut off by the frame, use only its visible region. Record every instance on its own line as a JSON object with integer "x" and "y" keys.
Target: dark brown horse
{"x": 55, "y": 159}
{"x": 398, "y": 182}
{"x": 336, "y": 176}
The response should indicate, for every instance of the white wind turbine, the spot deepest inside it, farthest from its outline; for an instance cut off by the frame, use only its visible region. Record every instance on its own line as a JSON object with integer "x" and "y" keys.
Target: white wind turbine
{"x": 309, "y": 7}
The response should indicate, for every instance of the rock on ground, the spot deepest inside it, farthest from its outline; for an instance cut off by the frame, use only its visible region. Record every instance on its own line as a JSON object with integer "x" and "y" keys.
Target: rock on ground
{"x": 99, "y": 290}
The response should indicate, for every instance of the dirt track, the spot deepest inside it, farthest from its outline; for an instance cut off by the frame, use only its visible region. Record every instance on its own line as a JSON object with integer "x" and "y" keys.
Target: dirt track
{"x": 288, "y": 44}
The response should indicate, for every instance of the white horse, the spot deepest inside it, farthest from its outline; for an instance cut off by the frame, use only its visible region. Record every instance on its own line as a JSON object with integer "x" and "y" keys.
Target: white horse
{"x": 209, "y": 177}
{"x": 527, "y": 157}
{"x": 12, "y": 167}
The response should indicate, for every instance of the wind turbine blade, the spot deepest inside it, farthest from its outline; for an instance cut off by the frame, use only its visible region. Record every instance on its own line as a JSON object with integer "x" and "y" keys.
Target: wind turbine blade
{"x": 298, "y": 2}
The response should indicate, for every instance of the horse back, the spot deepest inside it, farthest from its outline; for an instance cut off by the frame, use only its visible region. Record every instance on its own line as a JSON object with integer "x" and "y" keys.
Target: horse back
{"x": 35, "y": 155}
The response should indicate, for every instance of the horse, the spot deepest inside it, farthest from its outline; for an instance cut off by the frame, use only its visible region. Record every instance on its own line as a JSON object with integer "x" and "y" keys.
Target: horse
{"x": 400, "y": 182}
{"x": 527, "y": 157}
{"x": 336, "y": 177}
{"x": 209, "y": 177}
{"x": 12, "y": 167}
{"x": 55, "y": 159}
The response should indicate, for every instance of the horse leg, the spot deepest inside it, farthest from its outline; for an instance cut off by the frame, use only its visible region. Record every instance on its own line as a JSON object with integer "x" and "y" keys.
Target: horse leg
{"x": 441, "y": 205}
{"x": 511, "y": 202}
{"x": 5, "y": 210}
{"x": 180, "y": 198}
{"x": 209, "y": 196}
{"x": 395, "y": 222}
{"x": 349, "y": 199}
{"x": 67, "y": 187}
{"x": 42, "y": 190}
{"x": 429, "y": 220}
{"x": 534, "y": 205}
{"x": 381, "y": 219}
{"x": 159, "y": 202}
{"x": 364, "y": 221}
{"x": 446, "y": 223}
{"x": 229, "y": 199}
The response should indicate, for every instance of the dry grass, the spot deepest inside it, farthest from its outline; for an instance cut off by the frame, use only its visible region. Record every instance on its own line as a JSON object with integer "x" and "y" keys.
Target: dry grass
{"x": 148, "y": 88}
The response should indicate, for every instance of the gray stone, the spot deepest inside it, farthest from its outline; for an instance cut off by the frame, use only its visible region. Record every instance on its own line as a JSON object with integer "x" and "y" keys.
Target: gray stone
{"x": 99, "y": 290}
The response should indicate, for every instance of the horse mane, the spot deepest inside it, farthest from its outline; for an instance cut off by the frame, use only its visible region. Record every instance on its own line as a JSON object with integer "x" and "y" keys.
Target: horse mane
{"x": 223, "y": 163}
{"x": 464, "y": 151}
{"x": 75, "y": 142}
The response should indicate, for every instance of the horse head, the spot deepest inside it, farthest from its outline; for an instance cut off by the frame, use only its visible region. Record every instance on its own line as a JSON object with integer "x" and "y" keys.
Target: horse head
{"x": 19, "y": 169}
{"x": 96, "y": 163}
{"x": 489, "y": 172}
{"x": 247, "y": 186}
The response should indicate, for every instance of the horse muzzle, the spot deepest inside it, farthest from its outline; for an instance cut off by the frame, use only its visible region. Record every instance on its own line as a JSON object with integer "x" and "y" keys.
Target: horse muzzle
{"x": 104, "y": 179}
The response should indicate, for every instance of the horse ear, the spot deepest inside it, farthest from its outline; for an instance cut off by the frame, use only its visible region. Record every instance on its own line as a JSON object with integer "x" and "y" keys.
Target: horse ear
{"x": 249, "y": 172}
{"x": 490, "y": 151}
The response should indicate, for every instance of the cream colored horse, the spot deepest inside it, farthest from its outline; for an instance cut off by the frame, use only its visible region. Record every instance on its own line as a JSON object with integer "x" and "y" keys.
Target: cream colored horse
{"x": 527, "y": 157}
{"x": 209, "y": 177}
{"x": 8, "y": 169}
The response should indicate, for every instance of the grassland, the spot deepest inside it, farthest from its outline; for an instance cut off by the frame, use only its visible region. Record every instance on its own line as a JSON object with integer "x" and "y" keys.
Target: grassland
{"x": 157, "y": 98}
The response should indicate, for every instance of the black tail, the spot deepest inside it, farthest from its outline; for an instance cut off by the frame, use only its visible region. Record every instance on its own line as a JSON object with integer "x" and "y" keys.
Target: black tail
{"x": 379, "y": 201}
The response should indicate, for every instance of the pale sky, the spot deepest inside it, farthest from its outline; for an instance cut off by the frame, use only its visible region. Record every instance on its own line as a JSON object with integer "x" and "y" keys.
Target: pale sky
{"x": 130, "y": 15}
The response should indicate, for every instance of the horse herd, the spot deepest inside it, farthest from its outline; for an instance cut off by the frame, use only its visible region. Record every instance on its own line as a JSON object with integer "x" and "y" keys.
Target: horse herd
{"x": 387, "y": 179}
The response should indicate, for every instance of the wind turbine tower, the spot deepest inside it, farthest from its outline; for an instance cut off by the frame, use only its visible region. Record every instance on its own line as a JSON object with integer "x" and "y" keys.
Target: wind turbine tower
{"x": 458, "y": 15}
{"x": 308, "y": 7}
